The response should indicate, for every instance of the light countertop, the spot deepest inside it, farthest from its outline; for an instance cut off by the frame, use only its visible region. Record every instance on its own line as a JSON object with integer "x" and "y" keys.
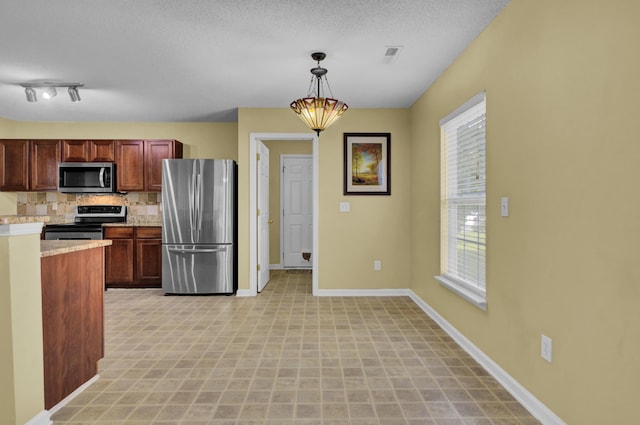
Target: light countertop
{"x": 22, "y": 219}
{"x": 49, "y": 248}
{"x": 132, "y": 221}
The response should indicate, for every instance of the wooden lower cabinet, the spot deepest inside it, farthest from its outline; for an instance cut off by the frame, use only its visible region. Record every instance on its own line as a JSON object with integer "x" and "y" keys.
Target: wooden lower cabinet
{"x": 134, "y": 260}
{"x": 72, "y": 321}
{"x": 119, "y": 256}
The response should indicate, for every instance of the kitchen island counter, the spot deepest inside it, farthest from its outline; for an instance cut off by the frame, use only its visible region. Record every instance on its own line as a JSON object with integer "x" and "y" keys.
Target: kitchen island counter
{"x": 49, "y": 248}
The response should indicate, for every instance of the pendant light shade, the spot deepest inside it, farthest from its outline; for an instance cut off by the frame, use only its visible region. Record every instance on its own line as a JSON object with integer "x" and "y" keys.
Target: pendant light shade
{"x": 318, "y": 111}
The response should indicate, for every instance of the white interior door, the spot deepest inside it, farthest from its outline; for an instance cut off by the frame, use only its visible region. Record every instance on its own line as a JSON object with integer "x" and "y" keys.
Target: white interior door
{"x": 263, "y": 216}
{"x": 297, "y": 211}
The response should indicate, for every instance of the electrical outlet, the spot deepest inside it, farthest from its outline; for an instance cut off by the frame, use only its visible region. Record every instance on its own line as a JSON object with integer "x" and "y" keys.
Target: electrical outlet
{"x": 377, "y": 265}
{"x": 546, "y": 348}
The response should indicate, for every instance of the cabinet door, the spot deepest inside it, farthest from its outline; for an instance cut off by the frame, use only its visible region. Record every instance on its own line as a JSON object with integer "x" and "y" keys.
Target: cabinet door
{"x": 148, "y": 256}
{"x": 45, "y": 155}
{"x": 74, "y": 151}
{"x": 149, "y": 261}
{"x": 129, "y": 165}
{"x": 119, "y": 261}
{"x": 14, "y": 165}
{"x": 101, "y": 151}
{"x": 155, "y": 152}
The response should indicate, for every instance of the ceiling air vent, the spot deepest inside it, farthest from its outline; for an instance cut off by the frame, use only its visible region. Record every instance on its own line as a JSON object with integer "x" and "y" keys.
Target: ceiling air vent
{"x": 392, "y": 53}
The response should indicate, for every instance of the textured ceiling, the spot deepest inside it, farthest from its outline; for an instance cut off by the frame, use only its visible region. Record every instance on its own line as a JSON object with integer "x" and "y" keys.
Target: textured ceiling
{"x": 199, "y": 60}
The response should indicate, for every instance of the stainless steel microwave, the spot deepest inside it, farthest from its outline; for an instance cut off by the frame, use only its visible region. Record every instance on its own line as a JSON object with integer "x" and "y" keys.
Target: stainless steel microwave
{"x": 86, "y": 177}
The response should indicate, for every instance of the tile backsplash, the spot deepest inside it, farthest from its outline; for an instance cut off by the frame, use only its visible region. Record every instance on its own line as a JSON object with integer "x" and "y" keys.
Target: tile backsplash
{"x": 139, "y": 204}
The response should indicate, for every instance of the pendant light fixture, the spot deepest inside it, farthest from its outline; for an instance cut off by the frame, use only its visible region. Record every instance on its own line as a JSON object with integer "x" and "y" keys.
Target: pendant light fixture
{"x": 317, "y": 110}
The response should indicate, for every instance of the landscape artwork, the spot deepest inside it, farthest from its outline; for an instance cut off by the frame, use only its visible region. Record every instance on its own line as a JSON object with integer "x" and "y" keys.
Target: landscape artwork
{"x": 367, "y": 164}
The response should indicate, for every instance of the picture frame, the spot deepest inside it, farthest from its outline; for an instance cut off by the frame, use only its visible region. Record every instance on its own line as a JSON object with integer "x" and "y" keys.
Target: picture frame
{"x": 367, "y": 163}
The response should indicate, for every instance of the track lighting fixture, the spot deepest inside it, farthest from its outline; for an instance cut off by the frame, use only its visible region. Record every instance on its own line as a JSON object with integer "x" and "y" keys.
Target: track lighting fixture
{"x": 49, "y": 90}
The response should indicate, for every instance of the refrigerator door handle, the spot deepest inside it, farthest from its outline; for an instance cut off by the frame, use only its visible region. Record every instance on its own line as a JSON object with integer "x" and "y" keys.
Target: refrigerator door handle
{"x": 196, "y": 251}
{"x": 193, "y": 210}
{"x": 199, "y": 203}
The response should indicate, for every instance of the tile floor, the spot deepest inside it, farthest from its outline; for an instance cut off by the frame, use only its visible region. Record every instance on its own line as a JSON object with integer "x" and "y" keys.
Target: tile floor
{"x": 284, "y": 357}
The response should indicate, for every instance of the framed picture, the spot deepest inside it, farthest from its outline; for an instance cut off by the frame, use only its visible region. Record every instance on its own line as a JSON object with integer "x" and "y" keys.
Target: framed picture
{"x": 367, "y": 163}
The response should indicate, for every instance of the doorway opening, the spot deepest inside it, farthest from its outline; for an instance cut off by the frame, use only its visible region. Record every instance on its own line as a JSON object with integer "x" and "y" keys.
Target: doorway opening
{"x": 254, "y": 138}
{"x": 296, "y": 211}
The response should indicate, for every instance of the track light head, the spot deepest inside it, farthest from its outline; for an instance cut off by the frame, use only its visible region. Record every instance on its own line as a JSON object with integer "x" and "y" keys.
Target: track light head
{"x": 49, "y": 92}
{"x": 73, "y": 94}
{"x": 31, "y": 94}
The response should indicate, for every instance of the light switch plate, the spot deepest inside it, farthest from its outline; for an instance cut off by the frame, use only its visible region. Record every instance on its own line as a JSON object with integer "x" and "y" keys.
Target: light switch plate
{"x": 546, "y": 348}
{"x": 345, "y": 207}
{"x": 504, "y": 206}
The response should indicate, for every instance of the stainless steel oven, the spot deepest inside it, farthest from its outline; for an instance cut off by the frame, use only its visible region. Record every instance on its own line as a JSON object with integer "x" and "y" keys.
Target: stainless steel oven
{"x": 87, "y": 222}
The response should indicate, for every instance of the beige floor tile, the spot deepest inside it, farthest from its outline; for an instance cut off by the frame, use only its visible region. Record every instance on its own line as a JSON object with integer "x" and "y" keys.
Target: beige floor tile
{"x": 283, "y": 357}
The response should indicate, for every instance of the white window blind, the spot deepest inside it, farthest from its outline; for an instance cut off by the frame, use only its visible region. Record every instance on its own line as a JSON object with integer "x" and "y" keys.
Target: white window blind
{"x": 463, "y": 200}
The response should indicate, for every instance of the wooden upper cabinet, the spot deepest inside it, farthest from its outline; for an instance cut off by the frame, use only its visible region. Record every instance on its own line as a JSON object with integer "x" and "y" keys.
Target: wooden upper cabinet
{"x": 129, "y": 165}
{"x": 155, "y": 152}
{"x": 139, "y": 163}
{"x": 88, "y": 151}
{"x": 74, "y": 151}
{"x": 14, "y": 165}
{"x": 29, "y": 165}
{"x": 44, "y": 164}
{"x": 102, "y": 151}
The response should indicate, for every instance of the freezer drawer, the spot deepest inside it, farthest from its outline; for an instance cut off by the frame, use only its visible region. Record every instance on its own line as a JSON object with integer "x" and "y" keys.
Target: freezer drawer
{"x": 198, "y": 269}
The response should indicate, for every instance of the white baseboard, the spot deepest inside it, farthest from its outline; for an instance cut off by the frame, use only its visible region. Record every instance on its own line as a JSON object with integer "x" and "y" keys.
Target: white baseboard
{"x": 73, "y": 395}
{"x": 42, "y": 418}
{"x": 275, "y": 267}
{"x": 520, "y": 393}
{"x": 244, "y": 293}
{"x": 363, "y": 293}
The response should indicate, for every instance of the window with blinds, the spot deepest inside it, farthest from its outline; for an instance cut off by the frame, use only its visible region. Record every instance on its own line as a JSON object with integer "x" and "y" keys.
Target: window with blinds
{"x": 463, "y": 201}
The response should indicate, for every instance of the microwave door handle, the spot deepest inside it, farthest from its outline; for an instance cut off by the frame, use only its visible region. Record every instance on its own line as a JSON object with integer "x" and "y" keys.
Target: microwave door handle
{"x": 101, "y": 176}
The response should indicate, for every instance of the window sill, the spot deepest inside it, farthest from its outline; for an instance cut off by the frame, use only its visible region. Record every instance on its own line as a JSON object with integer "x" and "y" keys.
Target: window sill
{"x": 474, "y": 298}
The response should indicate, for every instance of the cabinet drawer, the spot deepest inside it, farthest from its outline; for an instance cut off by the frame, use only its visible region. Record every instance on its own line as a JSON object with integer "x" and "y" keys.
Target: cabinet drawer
{"x": 149, "y": 232}
{"x": 118, "y": 232}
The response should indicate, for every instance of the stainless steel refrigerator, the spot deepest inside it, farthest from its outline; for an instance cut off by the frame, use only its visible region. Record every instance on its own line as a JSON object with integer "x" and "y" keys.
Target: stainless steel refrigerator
{"x": 199, "y": 226}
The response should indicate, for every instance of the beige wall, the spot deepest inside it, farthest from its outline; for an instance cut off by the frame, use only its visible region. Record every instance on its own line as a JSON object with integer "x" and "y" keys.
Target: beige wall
{"x": 276, "y": 149}
{"x": 562, "y": 142}
{"x": 201, "y": 140}
{"x": 377, "y": 226}
{"x": 21, "y": 364}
